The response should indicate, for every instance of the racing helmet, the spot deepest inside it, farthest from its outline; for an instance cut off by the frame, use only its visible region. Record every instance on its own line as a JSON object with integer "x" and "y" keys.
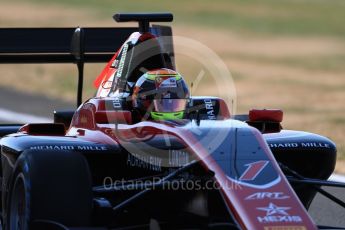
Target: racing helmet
{"x": 161, "y": 94}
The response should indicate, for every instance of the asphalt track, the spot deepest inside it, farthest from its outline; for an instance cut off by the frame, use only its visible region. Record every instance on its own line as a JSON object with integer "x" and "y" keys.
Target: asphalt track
{"x": 23, "y": 103}
{"x": 326, "y": 212}
{"x": 18, "y": 106}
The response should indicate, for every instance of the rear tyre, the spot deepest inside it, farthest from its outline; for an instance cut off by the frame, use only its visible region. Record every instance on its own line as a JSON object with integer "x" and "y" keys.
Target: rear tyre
{"x": 54, "y": 186}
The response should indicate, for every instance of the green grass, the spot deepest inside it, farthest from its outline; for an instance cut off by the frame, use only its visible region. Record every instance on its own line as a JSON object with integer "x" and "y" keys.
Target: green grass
{"x": 340, "y": 120}
{"x": 260, "y": 17}
{"x": 327, "y": 63}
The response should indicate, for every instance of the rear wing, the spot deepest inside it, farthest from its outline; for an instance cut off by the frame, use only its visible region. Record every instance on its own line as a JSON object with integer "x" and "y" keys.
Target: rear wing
{"x": 70, "y": 45}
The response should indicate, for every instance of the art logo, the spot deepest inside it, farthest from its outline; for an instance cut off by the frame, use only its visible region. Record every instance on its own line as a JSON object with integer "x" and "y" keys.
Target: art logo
{"x": 267, "y": 195}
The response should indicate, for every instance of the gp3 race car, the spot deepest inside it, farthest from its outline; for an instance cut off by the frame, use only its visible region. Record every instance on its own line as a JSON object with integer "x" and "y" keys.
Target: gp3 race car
{"x": 103, "y": 166}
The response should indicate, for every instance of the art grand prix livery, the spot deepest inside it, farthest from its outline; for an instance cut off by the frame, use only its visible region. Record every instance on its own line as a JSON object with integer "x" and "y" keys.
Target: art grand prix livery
{"x": 144, "y": 153}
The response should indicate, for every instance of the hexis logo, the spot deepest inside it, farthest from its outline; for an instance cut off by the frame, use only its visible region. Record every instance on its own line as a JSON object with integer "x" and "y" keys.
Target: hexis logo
{"x": 273, "y": 209}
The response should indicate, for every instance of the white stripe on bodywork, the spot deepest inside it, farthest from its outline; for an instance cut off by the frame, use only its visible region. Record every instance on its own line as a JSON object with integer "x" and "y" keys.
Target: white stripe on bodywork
{"x": 264, "y": 186}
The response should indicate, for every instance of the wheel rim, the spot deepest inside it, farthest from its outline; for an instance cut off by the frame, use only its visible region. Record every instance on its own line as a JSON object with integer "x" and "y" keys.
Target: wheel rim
{"x": 18, "y": 211}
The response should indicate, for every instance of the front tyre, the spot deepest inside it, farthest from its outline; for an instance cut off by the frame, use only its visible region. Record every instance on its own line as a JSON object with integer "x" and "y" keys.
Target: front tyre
{"x": 19, "y": 215}
{"x": 51, "y": 186}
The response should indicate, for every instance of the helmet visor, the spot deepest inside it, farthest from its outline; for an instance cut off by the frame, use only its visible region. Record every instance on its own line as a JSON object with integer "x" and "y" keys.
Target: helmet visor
{"x": 169, "y": 105}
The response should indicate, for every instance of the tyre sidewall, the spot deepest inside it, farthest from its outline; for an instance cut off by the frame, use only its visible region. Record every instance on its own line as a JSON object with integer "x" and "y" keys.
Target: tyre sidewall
{"x": 57, "y": 186}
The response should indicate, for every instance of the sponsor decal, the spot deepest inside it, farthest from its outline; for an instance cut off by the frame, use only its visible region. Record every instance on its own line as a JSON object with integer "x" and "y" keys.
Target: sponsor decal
{"x": 253, "y": 170}
{"x": 276, "y": 214}
{"x": 70, "y": 147}
{"x": 210, "y": 109}
{"x": 285, "y": 228}
{"x": 145, "y": 162}
{"x": 279, "y": 219}
{"x": 115, "y": 63}
{"x": 300, "y": 145}
{"x": 178, "y": 158}
{"x": 258, "y": 174}
{"x": 117, "y": 103}
{"x": 284, "y": 145}
{"x": 122, "y": 60}
{"x": 315, "y": 145}
{"x": 273, "y": 209}
{"x": 267, "y": 195}
{"x": 168, "y": 83}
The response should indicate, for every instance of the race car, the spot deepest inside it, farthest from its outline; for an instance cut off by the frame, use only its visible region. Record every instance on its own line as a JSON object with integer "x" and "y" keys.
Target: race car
{"x": 145, "y": 154}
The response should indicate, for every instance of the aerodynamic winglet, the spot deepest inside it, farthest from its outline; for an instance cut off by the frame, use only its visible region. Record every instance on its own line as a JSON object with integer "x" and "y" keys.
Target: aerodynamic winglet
{"x": 143, "y": 19}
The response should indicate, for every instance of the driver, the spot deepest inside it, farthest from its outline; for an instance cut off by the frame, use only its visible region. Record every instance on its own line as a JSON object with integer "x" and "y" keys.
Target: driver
{"x": 160, "y": 94}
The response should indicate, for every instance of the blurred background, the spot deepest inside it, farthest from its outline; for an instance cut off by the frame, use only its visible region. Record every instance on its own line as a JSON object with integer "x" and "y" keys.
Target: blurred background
{"x": 287, "y": 54}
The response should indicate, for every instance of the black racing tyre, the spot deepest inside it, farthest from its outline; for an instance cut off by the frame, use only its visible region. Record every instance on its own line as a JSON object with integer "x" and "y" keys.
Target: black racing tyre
{"x": 49, "y": 185}
{"x": 19, "y": 217}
